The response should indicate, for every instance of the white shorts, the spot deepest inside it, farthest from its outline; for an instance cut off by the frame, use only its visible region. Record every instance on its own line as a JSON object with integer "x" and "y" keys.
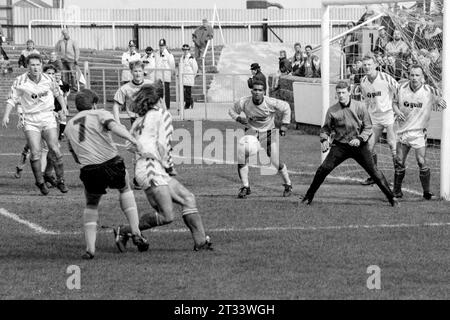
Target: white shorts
{"x": 39, "y": 121}
{"x": 383, "y": 120}
{"x": 150, "y": 173}
{"x": 415, "y": 139}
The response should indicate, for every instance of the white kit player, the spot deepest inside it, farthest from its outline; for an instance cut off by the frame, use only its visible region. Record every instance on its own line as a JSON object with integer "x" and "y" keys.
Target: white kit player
{"x": 378, "y": 90}
{"x": 152, "y": 130}
{"x": 416, "y": 101}
{"x": 125, "y": 97}
{"x": 92, "y": 146}
{"x": 260, "y": 112}
{"x": 35, "y": 92}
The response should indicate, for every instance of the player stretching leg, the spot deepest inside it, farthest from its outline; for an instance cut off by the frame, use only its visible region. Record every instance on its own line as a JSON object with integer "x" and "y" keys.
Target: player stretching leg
{"x": 350, "y": 123}
{"x": 35, "y": 92}
{"x": 260, "y": 113}
{"x": 92, "y": 146}
{"x": 125, "y": 97}
{"x": 378, "y": 90}
{"x": 162, "y": 190}
{"x": 416, "y": 101}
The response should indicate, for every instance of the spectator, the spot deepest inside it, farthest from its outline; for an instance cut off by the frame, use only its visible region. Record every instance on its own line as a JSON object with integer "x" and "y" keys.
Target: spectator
{"x": 382, "y": 40}
{"x": 297, "y": 50}
{"x": 285, "y": 66}
{"x": 255, "y": 68}
{"x": 311, "y": 65}
{"x": 379, "y": 57}
{"x": 188, "y": 67}
{"x": 165, "y": 60}
{"x": 128, "y": 57}
{"x": 54, "y": 61}
{"x": 356, "y": 71}
{"x": 350, "y": 45}
{"x": 2, "y": 40}
{"x": 297, "y": 64}
{"x": 201, "y": 36}
{"x": 5, "y": 66}
{"x": 68, "y": 50}
{"x": 25, "y": 53}
{"x": 149, "y": 64}
{"x": 394, "y": 67}
{"x": 397, "y": 47}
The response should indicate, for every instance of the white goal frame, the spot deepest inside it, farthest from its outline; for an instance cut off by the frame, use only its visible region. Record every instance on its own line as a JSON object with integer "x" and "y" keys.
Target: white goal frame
{"x": 445, "y": 138}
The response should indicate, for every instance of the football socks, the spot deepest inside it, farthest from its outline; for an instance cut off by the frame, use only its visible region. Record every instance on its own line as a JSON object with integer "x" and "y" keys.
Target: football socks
{"x": 283, "y": 172}
{"x": 129, "y": 207}
{"x": 243, "y": 174}
{"x": 90, "y": 218}
{"x": 194, "y": 222}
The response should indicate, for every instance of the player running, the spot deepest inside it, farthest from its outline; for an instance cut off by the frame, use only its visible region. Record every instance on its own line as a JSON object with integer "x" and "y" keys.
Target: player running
{"x": 125, "y": 96}
{"x": 92, "y": 146}
{"x": 378, "y": 90}
{"x": 349, "y": 122}
{"x": 416, "y": 101}
{"x": 259, "y": 119}
{"x": 152, "y": 130}
{"x": 35, "y": 92}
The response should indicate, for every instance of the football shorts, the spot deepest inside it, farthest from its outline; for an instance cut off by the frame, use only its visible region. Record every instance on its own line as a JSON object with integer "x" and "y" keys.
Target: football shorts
{"x": 269, "y": 139}
{"x": 40, "y": 121}
{"x": 416, "y": 139}
{"x": 98, "y": 177}
{"x": 383, "y": 119}
{"x": 150, "y": 173}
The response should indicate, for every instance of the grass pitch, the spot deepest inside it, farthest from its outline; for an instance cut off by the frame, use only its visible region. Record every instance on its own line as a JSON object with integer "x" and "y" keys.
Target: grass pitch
{"x": 266, "y": 246}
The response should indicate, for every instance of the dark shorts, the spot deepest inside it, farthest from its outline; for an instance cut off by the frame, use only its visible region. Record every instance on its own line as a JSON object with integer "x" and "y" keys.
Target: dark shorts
{"x": 110, "y": 174}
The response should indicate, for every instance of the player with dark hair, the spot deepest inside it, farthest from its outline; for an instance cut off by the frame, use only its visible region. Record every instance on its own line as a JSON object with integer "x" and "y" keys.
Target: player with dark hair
{"x": 152, "y": 130}
{"x": 259, "y": 120}
{"x": 91, "y": 144}
{"x": 35, "y": 92}
{"x": 416, "y": 100}
{"x": 349, "y": 122}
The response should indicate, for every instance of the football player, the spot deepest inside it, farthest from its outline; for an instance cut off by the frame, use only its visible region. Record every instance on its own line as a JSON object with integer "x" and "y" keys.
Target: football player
{"x": 152, "y": 130}
{"x": 125, "y": 96}
{"x": 91, "y": 144}
{"x": 35, "y": 92}
{"x": 378, "y": 90}
{"x": 259, "y": 119}
{"x": 416, "y": 101}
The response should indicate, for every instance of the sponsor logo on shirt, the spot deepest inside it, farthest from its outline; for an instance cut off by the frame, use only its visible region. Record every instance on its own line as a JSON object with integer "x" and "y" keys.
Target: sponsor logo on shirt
{"x": 35, "y": 96}
{"x": 374, "y": 94}
{"x": 412, "y": 105}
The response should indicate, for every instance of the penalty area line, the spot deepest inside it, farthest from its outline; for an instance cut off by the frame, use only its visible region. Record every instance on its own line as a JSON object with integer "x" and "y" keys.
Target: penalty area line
{"x": 35, "y": 227}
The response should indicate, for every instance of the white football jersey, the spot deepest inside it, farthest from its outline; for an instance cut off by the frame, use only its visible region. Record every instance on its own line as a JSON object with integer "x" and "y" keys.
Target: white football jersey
{"x": 154, "y": 132}
{"x": 262, "y": 117}
{"x": 417, "y": 106}
{"x": 379, "y": 95}
{"x": 34, "y": 97}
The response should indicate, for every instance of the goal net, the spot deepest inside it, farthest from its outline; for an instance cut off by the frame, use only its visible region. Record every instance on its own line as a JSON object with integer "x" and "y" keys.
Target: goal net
{"x": 414, "y": 32}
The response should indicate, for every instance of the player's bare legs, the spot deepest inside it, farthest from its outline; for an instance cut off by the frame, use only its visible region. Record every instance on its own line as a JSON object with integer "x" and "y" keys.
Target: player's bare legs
{"x": 425, "y": 172}
{"x": 51, "y": 137}
{"x": 24, "y": 156}
{"x": 373, "y": 140}
{"x": 34, "y": 142}
{"x": 391, "y": 138}
{"x": 400, "y": 169}
{"x": 191, "y": 217}
{"x": 274, "y": 154}
{"x": 90, "y": 220}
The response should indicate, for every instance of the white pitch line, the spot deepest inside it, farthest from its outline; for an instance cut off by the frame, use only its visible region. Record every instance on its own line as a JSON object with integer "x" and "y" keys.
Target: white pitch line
{"x": 36, "y": 228}
{"x": 278, "y": 229}
{"x": 41, "y": 230}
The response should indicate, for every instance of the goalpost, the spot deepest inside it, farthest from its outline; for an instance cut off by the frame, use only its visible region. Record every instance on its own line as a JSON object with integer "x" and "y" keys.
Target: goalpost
{"x": 445, "y": 136}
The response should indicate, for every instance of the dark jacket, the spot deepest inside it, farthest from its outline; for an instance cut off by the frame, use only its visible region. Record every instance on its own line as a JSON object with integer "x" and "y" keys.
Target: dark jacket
{"x": 285, "y": 66}
{"x": 258, "y": 76}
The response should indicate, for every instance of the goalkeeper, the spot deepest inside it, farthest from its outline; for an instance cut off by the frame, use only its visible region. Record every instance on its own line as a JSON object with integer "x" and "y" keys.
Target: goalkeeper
{"x": 350, "y": 123}
{"x": 259, "y": 119}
